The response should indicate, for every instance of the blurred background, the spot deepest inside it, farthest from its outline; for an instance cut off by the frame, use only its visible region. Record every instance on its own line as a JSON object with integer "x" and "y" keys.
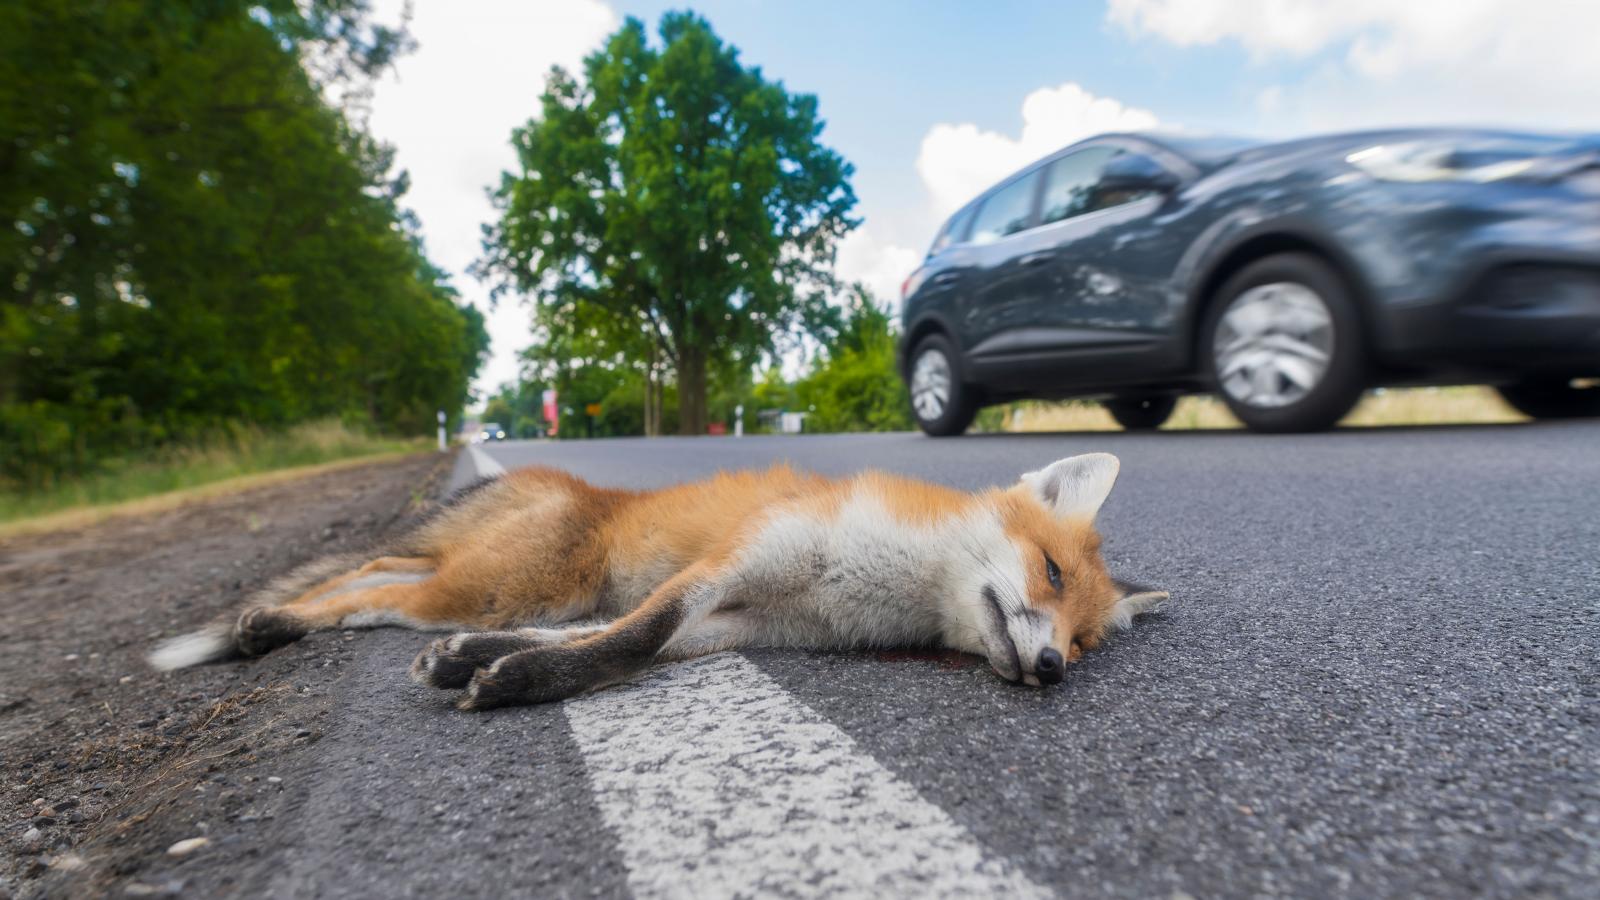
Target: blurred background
{"x": 250, "y": 236}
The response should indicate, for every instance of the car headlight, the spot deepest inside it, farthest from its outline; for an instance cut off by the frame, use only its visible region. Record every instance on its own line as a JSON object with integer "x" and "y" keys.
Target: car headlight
{"x": 1445, "y": 161}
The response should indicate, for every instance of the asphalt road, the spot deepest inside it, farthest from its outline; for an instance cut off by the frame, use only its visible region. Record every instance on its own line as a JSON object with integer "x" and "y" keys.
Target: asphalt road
{"x": 1377, "y": 677}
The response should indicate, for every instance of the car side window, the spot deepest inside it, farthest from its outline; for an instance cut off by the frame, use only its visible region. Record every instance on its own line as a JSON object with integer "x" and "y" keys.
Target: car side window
{"x": 1006, "y": 211}
{"x": 1070, "y": 184}
{"x": 953, "y": 231}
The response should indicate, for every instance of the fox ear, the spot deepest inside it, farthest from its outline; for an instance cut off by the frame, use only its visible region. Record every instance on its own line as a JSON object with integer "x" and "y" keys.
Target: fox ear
{"x": 1136, "y": 600}
{"x": 1076, "y": 486}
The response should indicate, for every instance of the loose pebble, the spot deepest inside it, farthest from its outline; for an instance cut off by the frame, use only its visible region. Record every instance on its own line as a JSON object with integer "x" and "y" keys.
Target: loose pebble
{"x": 68, "y": 862}
{"x": 273, "y": 779}
{"x": 188, "y": 846}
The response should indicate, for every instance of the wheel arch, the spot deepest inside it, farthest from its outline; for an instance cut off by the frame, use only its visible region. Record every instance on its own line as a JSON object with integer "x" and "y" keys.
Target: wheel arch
{"x": 921, "y": 329}
{"x": 1262, "y": 243}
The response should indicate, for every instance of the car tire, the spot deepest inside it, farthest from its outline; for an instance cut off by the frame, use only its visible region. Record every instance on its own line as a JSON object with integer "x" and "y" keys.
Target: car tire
{"x": 1283, "y": 345}
{"x": 1555, "y": 398}
{"x": 941, "y": 402}
{"x": 1141, "y": 413}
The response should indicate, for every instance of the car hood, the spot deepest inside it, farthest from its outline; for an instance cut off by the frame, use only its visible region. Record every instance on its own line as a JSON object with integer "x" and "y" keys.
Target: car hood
{"x": 1561, "y": 145}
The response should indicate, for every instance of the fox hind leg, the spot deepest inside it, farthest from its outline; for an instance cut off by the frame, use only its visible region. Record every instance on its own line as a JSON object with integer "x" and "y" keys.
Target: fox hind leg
{"x": 381, "y": 595}
{"x": 265, "y": 628}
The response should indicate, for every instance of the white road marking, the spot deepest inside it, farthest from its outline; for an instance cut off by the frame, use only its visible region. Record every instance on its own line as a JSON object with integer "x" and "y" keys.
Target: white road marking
{"x": 484, "y": 464}
{"x": 719, "y": 783}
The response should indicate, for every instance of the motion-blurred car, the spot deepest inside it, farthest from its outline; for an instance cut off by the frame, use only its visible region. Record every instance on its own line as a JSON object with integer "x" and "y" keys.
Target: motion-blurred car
{"x": 490, "y": 431}
{"x": 1287, "y": 277}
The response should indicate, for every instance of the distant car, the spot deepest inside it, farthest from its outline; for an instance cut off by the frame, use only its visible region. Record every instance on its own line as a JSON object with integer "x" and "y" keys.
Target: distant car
{"x": 1286, "y": 277}
{"x": 491, "y": 431}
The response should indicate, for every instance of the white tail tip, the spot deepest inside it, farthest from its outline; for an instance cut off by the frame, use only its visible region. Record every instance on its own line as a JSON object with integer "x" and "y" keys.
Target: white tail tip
{"x": 192, "y": 649}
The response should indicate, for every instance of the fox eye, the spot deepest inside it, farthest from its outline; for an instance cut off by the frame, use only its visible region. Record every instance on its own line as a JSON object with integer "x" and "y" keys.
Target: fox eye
{"x": 1052, "y": 571}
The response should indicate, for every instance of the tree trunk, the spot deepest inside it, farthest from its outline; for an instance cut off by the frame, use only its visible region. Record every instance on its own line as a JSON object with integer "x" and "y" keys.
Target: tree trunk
{"x": 652, "y": 423}
{"x": 691, "y": 391}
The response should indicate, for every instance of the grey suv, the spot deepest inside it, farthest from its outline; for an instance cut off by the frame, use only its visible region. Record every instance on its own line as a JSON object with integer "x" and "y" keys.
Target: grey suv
{"x": 1287, "y": 277}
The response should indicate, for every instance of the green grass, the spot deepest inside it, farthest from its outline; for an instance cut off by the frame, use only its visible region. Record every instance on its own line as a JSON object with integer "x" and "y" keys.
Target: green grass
{"x": 241, "y": 452}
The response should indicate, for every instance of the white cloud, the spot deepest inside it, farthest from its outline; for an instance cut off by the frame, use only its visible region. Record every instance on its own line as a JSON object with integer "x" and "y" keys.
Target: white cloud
{"x": 878, "y": 264}
{"x": 958, "y": 161}
{"x": 449, "y": 111}
{"x": 1518, "y": 61}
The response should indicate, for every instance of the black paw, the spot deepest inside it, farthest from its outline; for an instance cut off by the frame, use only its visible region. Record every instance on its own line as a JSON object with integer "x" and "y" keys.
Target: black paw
{"x": 541, "y": 675}
{"x": 449, "y": 662}
{"x": 267, "y": 628}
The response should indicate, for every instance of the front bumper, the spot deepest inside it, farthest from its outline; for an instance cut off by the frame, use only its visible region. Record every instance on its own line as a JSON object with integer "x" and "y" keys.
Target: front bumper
{"x": 1511, "y": 317}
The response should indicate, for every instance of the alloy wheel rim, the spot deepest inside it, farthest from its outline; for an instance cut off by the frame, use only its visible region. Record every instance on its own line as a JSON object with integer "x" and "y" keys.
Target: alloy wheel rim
{"x": 930, "y": 385}
{"x": 1273, "y": 344}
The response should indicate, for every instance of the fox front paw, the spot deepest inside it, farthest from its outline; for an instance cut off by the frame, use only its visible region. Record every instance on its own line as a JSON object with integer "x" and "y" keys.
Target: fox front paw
{"x": 267, "y": 628}
{"x": 531, "y": 676}
{"x": 450, "y": 662}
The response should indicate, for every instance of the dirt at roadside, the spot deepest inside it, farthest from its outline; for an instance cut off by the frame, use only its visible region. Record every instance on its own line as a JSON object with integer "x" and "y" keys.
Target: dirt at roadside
{"x": 106, "y": 763}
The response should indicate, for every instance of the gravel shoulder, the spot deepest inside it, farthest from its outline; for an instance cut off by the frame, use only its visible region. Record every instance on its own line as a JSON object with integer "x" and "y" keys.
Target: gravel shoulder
{"x": 108, "y": 764}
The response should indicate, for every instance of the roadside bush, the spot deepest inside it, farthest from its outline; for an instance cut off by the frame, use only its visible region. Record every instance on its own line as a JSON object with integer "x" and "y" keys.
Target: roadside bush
{"x": 855, "y": 387}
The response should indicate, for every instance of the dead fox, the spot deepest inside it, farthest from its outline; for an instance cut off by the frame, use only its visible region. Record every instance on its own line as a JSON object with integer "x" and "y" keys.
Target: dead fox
{"x": 778, "y": 558}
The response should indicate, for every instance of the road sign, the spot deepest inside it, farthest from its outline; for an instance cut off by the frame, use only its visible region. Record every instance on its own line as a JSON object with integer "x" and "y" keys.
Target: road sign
{"x": 592, "y": 409}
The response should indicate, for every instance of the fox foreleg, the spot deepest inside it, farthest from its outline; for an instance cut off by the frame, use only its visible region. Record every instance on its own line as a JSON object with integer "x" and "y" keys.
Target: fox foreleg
{"x": 623, "y": 649}
{"x": 450, "y": 662}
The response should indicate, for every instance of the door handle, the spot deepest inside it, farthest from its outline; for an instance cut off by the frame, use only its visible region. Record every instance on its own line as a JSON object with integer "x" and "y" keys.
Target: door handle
{"x": 1037, "y": 259}
{"x": 946, "y": 277}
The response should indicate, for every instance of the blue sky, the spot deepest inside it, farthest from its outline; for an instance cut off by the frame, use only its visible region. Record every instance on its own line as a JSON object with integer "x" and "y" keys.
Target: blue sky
{"x": 885, "y": 73}
{"x": 932, "y": 101}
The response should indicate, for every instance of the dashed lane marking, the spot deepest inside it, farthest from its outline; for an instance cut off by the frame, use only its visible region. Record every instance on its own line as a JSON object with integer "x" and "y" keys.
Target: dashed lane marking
{"x": 485, "y": 465}
{"x": 719, "y": 783}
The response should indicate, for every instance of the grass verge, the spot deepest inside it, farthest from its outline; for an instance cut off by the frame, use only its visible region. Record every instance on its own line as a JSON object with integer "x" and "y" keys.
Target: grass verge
{"x": 1403, "y": 406}
{"x": 242, "y": 459}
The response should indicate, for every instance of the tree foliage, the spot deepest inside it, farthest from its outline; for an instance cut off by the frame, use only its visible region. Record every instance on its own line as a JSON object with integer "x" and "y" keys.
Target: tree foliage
{"x": 194, "y": 234}
{"x": 855, "y": 387}
{"x": 675, "y": 193}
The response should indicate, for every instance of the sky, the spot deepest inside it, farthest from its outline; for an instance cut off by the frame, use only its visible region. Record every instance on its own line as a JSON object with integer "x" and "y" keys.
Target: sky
{"x": 933, "y": 102}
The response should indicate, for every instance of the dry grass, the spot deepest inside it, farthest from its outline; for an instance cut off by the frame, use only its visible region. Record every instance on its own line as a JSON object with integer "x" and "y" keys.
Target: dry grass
{"x": 238, "y": 460}
{"x": 1404, "y": 406}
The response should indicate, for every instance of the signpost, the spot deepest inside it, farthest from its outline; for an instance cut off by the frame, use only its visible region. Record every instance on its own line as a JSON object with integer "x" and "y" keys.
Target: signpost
{"x": 442, "y": 445}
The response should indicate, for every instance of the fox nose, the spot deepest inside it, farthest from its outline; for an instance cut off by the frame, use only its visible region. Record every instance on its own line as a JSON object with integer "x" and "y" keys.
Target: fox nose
{"x": 1050, "y": 668}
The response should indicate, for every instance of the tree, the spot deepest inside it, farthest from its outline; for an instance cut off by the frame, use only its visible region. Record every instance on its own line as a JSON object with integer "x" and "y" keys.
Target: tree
{"x": 855, "y": 386}
{"x": 676, "y": 192}
{"x": 196, "y": 234}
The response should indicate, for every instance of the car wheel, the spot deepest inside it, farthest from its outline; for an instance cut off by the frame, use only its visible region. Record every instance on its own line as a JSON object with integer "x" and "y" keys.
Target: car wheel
{"x": 1556, "y": 398}
{"x": 1141, "y": 413}
{"x": 941, "y": 403}
{"x": 1284, "y": 346}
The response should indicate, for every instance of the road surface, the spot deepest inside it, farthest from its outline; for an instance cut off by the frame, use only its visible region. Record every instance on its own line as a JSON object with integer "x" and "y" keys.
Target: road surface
{"x": 1377, "y": 677}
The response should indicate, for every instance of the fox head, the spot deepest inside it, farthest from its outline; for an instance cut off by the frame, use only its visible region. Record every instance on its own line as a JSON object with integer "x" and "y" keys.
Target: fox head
{"x": 1054, "y": 600}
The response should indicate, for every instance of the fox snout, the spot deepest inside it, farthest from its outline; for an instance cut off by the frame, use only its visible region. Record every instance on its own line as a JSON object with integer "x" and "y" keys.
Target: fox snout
{"x": 1050, "y": 668}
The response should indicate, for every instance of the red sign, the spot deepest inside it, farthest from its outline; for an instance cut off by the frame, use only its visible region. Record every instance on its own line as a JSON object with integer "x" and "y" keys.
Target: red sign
{"x": 716, "y": 428}
{"x": 551, "y": 413}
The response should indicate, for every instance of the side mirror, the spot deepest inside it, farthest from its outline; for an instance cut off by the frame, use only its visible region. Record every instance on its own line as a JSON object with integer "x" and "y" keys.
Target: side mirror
{"x": 1135, "y": 172}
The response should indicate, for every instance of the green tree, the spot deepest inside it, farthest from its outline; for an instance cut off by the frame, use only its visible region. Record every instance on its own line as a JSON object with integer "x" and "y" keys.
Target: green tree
{"x": 678, "y": 192}
{"x": 196, "y": 235}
